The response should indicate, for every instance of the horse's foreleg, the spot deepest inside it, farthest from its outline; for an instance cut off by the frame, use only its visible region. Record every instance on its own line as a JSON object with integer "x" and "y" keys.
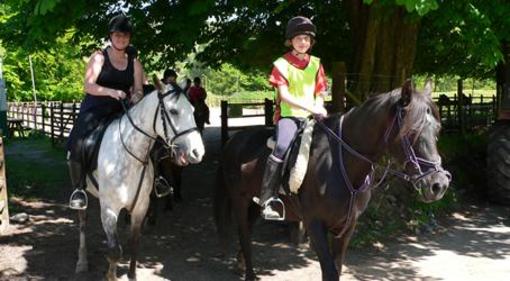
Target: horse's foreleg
{"x": 137, "y": 218}
{"x": 319, "y": 240}
{"x": 340, "y": 246}
{"x": 109, "y": 219}
{"x": 82, "y": 264}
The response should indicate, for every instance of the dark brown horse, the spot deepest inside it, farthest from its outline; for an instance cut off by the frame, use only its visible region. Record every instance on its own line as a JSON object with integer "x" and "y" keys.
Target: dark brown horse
{"x": 403, "y": 123}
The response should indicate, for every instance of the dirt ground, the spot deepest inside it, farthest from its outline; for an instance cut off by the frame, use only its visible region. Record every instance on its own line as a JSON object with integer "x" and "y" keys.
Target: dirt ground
{"x": 470, "y": 245}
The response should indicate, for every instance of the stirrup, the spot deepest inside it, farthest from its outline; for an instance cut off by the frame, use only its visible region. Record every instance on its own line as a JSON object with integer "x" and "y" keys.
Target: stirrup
{"x": 269, "y": 203}
{"x": 162, "y": 181}
{"x": 83, "y": 194}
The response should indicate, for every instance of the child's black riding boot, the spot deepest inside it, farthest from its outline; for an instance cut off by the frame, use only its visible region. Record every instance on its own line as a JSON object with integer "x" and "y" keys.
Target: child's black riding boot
{"x": 270, "y": 184}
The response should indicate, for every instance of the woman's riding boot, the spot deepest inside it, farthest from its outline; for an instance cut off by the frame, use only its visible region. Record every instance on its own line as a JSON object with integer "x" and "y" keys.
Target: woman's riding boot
{"x": 78, "y": 199}
{"x": 269, "y": 190}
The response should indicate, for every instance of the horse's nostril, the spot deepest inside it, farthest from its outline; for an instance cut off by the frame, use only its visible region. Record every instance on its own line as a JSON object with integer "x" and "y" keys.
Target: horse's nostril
{"x": 195, "y": 153}
{"x": 436, "y": 188}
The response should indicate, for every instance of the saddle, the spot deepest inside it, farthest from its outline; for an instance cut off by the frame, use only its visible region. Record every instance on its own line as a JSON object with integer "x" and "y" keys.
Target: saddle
{"x": 90, "y": 147}
{"x": 295, "y": 163}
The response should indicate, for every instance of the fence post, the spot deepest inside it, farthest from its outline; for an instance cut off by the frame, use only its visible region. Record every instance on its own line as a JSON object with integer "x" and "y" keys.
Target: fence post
{"x": 52, "y": 124}
{"x": 61, "y": 126}
{"x": 43, "y": 110}
{"x": 4, "y": 201}
{"x": 224, "y": 122}
{"x": 35, "y": 115}
{"x": 338, "y": 87}
{"x": 460, "y": 105}
{"x": 268, "y": 112}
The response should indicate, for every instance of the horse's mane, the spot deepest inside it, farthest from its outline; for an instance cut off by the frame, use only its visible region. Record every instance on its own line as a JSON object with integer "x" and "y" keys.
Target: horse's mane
{"x": 414, "y": 113}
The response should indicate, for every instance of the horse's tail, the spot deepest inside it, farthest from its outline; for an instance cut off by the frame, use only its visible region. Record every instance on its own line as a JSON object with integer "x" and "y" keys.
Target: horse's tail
{"x": 222, "y": 208}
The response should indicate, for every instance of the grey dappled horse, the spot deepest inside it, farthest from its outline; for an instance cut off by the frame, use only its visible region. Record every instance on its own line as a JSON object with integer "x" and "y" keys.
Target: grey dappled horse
{"x": 124, "y": 172}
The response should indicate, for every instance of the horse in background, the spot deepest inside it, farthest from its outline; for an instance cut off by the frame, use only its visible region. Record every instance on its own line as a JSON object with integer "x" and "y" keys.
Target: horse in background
{"x": 125, "y": 173}
{"x": 403, "y": 123}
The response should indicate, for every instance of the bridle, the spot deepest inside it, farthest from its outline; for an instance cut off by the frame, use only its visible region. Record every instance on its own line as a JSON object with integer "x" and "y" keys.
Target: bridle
{"x": 168, "y": 143}
{"x": 423, "y": 167}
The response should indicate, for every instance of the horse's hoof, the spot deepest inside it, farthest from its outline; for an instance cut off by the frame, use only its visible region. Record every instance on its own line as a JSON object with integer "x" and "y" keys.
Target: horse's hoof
{"x": 82, "y": 267}
{"x": 251, "y": 277}
{"x": 110, "y": 277}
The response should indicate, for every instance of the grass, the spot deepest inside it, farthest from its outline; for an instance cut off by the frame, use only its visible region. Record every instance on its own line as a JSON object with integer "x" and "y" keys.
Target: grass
{"x": 34, "y": 169}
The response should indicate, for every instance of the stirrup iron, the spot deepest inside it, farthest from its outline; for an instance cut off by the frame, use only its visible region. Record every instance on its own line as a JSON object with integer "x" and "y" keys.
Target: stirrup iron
{"x": 84, "y": 195}
{"x": 162, "y": 181}
{"x": 278, "y": 201}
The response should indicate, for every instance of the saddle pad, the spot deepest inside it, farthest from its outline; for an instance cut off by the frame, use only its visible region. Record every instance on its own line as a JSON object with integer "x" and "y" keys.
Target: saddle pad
{"x": 298, "y": 171}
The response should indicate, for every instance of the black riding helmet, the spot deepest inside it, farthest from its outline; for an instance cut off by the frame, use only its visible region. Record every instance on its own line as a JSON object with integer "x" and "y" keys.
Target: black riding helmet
{"x": 120, "y": 23}
{"x": 299, "y": 26}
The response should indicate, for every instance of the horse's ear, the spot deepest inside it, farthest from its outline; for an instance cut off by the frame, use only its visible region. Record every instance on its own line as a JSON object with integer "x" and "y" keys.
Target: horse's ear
{"x": 429, "y": 87}
{"x": 406, "y": 93}
{"x": 157, "y": 83}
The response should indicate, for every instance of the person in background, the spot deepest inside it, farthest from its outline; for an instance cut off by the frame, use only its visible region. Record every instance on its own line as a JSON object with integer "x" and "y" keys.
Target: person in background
{"x": 197, "y": 97}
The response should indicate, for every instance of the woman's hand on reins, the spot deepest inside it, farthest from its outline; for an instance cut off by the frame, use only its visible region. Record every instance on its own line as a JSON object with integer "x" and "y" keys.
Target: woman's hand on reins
{"x": 117, "y": 94}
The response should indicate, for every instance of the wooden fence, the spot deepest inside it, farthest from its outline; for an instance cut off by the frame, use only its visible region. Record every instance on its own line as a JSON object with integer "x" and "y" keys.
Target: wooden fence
{"x": 54, "y": 119}
{"x": 235, "y": 110}
{"x": 468, "y": 114}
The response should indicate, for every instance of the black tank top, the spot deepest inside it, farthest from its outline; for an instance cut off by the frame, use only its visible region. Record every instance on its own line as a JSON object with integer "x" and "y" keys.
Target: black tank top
{"x": 112, "y": 78}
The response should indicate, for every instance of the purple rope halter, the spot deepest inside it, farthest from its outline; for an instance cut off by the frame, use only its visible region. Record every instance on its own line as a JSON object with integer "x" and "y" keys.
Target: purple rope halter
{"x": 419, "y": 164}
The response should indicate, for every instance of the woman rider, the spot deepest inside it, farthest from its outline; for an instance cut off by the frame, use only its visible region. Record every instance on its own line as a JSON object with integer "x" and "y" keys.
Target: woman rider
{"x": 112, "y": 74}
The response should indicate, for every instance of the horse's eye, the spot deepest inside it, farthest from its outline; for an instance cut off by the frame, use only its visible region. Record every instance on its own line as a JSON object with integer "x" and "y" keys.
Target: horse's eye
{"x": 428, "y": 110}
{"x": 174, "y": 111}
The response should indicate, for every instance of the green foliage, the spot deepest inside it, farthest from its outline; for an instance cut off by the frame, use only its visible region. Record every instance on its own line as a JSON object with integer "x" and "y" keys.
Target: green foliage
{"x": 229, "y": 80}
{"x": 58, "y": 72}
{"x": 463, "y": 38}
{"x": 421, "y": 7}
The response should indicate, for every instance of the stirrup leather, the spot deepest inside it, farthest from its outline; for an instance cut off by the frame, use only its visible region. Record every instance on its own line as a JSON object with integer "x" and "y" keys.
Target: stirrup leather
{"x": 269, "y": 202}
{"x": 84, "y": 195}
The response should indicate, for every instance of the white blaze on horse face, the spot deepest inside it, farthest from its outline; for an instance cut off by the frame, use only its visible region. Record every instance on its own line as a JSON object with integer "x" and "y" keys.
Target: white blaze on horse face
{"x": 189, "y": 147}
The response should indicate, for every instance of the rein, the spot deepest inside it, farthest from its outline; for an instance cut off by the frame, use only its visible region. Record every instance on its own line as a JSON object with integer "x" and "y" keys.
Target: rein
{"x": 168, "y": 144}
{"x": 411, "y": 158}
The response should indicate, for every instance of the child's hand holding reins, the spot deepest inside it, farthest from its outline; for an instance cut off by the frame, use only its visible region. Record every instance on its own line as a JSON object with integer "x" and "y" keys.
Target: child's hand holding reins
{"x": 319, "y": 112}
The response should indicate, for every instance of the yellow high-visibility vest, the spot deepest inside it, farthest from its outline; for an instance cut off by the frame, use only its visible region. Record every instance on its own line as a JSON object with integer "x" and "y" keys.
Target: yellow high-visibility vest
{"x": 301, "y": 84}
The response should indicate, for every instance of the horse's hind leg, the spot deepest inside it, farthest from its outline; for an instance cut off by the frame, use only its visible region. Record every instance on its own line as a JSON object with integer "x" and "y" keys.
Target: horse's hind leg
{"x": 82, "y": 264}
{"x": 109, "y": 219}
{"x": 137, "y": 218}
{"x": 245, "y": 226}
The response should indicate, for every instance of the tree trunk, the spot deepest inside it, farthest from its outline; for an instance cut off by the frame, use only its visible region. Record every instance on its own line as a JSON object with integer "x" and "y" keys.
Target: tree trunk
{"x": 385, "y": 46}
